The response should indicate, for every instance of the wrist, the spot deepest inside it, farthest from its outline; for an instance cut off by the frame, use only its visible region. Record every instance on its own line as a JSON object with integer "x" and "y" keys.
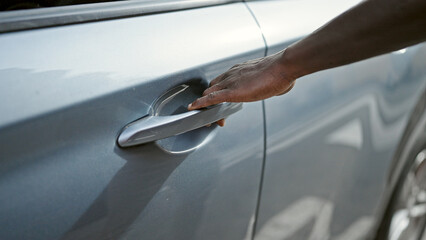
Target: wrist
{"x": 290, "y": 69}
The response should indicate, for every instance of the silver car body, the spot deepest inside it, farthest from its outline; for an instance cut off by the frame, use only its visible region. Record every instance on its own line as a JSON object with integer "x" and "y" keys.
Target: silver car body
{"x": 312, "y": 164}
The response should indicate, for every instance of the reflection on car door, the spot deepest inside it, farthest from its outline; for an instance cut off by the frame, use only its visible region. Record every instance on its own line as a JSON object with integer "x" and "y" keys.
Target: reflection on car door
{"x": 66, "y": 93}
{"x": 330, "y": 140}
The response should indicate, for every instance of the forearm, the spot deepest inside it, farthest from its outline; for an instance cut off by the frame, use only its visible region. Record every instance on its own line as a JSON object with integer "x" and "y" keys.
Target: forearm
{"x": 369, "y": 29}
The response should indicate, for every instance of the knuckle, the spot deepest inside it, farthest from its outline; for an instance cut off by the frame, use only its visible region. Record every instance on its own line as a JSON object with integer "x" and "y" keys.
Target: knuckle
{"x": 211, "y": 96}
{"x": 218, "y": 79}
{"x": 241, "y": 71}
{"x": 225, "y": 76}
{"x": 220, "y": 86}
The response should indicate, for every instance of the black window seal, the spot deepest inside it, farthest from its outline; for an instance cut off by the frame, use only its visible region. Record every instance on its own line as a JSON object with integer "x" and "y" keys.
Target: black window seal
{"x": 19, "y": 20}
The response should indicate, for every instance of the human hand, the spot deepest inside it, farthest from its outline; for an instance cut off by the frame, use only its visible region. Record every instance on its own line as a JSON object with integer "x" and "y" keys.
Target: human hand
{"x": 254, "y": 80}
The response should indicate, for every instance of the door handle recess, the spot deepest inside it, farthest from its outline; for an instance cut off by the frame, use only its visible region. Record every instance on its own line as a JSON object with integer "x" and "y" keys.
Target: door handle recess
{"x": 152, "y": 128}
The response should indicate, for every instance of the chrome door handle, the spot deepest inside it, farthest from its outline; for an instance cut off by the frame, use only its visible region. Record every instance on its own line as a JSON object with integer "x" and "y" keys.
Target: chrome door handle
{"x": 152, "y": 128}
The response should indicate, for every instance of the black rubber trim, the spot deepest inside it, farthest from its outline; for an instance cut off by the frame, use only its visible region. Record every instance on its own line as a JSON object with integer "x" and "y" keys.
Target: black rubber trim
{"x": 57, "y": 16}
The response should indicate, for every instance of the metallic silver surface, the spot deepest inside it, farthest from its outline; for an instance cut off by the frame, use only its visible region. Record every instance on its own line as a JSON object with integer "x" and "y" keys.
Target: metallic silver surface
{"x": 331, "y": 140}
{"x": 152, "y": 128}
{"x": 65, "y": 94}
{"x": 19, "y": 20}
{"x": 283, "y": 22}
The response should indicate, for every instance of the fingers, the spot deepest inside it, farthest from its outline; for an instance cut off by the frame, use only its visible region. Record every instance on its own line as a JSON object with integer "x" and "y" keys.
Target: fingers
{"x": 218, "y": 79}
{"x": 210, "y": 99}
{"x": 214, "y": 85}
{"x": 221, "y": 122}
{"x": 211, "y": 89}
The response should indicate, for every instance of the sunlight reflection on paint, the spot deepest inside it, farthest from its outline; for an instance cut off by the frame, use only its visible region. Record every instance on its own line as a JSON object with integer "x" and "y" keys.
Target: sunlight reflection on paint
{"x": 349, "y": 135}
{"x": 299, "y": 214}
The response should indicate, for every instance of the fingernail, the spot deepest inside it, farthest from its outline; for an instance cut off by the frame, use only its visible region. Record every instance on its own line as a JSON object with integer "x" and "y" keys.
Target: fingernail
{"x": 189, "y": 105}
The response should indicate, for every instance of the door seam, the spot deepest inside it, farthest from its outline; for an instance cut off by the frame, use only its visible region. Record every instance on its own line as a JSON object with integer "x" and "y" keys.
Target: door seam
{"x": 256, "y": 214}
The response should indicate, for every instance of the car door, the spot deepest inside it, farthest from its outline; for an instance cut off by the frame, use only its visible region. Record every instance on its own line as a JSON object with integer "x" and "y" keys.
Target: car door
{"x": 68, "y": 91}
{"x": 330, "y": 141}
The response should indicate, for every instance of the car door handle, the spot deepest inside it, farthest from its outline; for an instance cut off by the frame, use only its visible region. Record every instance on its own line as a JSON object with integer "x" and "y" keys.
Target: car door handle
{"x": 152, "y": 128}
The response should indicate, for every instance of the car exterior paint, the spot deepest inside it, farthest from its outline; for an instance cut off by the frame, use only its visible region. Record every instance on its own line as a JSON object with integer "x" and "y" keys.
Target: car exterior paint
{"x": 312, "y": 164}
{"x": 66, "y": 96}
{"x": 331, "y": 140}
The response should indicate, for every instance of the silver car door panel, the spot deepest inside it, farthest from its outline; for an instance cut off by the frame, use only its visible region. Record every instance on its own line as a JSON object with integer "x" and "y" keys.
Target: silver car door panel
{"x": 331, "y": 140}
{"x": 11, "y": 21}
{"x": 288, "y": 20}
{"x": 66, "y": 93}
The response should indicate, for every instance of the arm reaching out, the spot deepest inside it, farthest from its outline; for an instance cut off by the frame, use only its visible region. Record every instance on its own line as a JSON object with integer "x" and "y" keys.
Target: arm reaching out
{"x": 371, "y": 28}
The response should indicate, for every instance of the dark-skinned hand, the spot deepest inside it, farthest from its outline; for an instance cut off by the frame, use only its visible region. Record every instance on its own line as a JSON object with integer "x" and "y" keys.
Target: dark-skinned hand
{"x": 369, "y": 29}
{"x": 247, "y": 82}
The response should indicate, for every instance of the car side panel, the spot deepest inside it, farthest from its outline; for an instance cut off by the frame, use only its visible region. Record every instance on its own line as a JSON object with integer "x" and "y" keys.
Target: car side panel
{"x": 330, "y": 141}
{"x": 66, "y": 93}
